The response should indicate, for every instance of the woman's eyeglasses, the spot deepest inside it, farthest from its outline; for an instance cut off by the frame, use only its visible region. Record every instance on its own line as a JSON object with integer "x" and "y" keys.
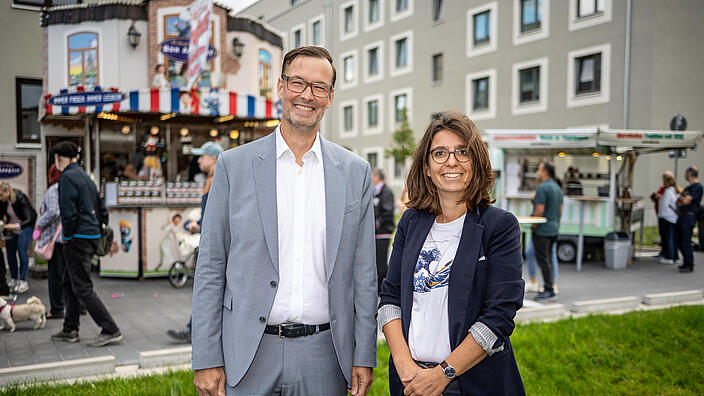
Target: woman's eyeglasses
{"x": 298, "y": 85}
{"x": 440, "y": 155}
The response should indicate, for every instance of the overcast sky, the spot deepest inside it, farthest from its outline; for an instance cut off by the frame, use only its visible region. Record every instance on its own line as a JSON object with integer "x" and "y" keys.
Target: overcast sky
{"x": 236, "y": 5}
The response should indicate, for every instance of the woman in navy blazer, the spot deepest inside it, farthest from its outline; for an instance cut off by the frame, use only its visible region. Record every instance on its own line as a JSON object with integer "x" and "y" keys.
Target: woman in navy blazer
{"x": 450, "y": 181}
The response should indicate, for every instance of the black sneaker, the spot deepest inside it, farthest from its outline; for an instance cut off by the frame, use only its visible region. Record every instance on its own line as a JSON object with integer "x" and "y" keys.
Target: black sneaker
{"x": 105, "y": 339}
{"x": 546, "y": 296}
{"x": 686, "y": 269}
{"x": 63, "y": 336}
{"x": 183, "y": 335}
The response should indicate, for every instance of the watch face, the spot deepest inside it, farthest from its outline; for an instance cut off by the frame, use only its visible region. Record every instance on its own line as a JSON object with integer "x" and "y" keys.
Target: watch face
{"x": 450, "y": 372}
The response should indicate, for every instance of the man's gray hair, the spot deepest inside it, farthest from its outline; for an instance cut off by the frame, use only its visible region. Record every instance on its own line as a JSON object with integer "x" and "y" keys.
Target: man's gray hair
{"x": 378, "y": 173}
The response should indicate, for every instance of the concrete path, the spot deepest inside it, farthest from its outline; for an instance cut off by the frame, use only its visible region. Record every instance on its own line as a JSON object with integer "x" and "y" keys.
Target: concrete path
{"x": 144, "y": 310}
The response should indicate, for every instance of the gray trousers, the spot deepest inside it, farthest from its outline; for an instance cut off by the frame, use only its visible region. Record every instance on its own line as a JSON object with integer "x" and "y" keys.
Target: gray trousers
{"x": 303, "y": 366}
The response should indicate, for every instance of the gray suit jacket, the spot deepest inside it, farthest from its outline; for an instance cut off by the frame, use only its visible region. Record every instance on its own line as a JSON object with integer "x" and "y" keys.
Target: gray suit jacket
{"x": 237, "y": 272}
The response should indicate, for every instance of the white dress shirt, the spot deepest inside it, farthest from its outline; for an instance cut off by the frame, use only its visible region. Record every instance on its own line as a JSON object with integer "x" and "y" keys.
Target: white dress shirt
{"x": 302, "y": 296}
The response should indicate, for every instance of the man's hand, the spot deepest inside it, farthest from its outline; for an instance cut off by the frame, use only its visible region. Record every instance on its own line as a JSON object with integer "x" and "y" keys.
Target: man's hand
{"x": 362, "y": 378}
{"x": 13, "y": 226}
{"x": 426, "y": 382}
{"x": 210, "y": 382}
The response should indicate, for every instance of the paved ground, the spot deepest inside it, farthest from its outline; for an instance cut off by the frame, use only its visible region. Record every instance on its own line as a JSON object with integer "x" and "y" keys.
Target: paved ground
{"x": 146, "y": 309}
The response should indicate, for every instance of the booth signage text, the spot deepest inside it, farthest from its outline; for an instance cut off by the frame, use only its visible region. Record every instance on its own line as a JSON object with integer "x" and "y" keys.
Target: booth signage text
{"x": 9, "y": 170}
{"x": 176, "y": 49}
{"x": 94, "y": 98}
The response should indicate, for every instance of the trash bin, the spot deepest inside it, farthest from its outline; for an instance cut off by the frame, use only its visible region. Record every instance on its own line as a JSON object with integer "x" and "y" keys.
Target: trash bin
{"x": 617, "y": 249}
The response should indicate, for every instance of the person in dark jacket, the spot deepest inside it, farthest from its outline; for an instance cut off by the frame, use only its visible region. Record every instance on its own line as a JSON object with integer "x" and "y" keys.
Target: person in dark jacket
{"x": 454, "y": 282}
{"x": 384, "y": 223}
{"x": 79, "y": 203}
{"x": 19, "y": 217}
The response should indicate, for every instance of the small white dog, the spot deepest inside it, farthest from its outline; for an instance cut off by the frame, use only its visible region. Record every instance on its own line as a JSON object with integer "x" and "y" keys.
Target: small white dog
{"x": 32, "y": 310}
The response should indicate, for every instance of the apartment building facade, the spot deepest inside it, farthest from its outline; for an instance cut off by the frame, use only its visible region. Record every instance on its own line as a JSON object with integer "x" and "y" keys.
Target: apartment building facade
{"x": 508, "y": 64}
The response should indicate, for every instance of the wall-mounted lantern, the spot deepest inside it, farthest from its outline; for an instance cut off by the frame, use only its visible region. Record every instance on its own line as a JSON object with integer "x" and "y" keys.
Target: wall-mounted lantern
{"x": 237, "y": 47}
{"x": 133, "y": 36}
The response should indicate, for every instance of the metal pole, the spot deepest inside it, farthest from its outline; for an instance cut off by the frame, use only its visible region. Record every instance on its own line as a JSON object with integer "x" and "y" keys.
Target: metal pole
{"x": 627, "y": 66}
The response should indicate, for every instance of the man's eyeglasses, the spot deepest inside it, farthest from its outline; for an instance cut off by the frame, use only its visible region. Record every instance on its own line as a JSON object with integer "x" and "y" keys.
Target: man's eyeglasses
{"x": 298, "y": 85}
{"x": 440, "y": 155}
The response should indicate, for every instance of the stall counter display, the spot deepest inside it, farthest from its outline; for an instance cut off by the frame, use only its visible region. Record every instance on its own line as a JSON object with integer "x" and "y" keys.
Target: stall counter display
{"x": 140, "y": 192}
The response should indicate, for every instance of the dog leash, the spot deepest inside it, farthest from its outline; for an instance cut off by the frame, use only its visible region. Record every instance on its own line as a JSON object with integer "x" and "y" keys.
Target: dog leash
{"x": 12, "y": 306}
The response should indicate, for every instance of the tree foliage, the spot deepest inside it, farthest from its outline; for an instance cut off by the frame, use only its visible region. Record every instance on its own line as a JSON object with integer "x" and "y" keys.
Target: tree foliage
{"x": 403, "y": 144}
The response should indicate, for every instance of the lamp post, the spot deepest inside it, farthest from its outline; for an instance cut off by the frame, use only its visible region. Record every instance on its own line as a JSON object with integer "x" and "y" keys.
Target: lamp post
{"x": 133, "y": 36}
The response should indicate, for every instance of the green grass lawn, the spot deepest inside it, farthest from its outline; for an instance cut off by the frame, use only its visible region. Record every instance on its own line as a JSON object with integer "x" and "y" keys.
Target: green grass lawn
{"x": 640, "y": 353}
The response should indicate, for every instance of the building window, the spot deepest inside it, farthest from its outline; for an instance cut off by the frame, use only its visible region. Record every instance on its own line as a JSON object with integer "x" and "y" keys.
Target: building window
{"x": 373, "y": 113}
{"x": 264, "y": 73}
{"x": 348, "y": 20}
{"x": 437, "y": 68}
{"x": 349, "y": 69}
{"x": 349, "y": 118}
{"x": 28, "y": 92}
{"x": 587, "y": 8}
{"x": 401, "y": 53}
{"x": 316, "y": 33}
{"x": 373, "y": 61}
{"x": 529, "y": 86}
{"x": 83, "y": 60}
{"x": 437, "y": 10}
{"x": 480, "y": 89}
{"x": 374, "y": 12}
{"x": 588, "y": 78}
{"x": 531, "y": 15}
{"x": 297, "y": 38}
{"x": 373, "y": 159}
{"x": 401, "y": 9}
{"x": 294, "y": 2}
{"x": 586, "y": 13}
{"x": 175, "y": 27}
{"x": 398, "y": 169}
{"x": 400, "y": 104}
{"x": 482, "y": 27}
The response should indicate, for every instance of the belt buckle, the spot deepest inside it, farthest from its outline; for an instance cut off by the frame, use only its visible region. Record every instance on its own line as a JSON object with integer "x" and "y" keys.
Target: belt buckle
{"x": 280, "y": 336}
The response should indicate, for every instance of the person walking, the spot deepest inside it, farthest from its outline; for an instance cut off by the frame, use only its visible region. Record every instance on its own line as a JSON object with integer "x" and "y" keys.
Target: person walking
{"x": 383, "y": 221}
{"x": 49, "y": 223}
{"x": 667, "y": 218}
{"x": 454, "y": 282}
{"x": 547, "y": 203}
{"x": 285, "y": 297}
{"x": 19, "y": 217}
{"x": 208, "y": 155}
{"x": 689, "y": 205}
{"x": 82, "y": 211}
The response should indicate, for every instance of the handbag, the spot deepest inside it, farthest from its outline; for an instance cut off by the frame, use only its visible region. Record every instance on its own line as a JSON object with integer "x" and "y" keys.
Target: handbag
{"x": 47, "y": 250}
{"x": 106, "y": 233}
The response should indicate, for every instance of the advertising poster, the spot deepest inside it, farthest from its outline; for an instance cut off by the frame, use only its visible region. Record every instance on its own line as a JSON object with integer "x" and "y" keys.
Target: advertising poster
{"x": 167, "y": 240}
{"x": 16, "y": 171}
{"x": 199, "y": 39}
{"x": 123, "y": 259}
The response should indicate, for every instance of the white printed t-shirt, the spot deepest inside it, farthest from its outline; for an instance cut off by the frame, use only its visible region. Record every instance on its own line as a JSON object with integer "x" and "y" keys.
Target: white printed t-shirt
{"x": 429, "y": 332}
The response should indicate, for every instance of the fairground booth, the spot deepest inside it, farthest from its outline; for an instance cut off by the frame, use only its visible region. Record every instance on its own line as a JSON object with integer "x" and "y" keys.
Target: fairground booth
{"x": 139, "y": 84}
{"x": 596, "y": 168}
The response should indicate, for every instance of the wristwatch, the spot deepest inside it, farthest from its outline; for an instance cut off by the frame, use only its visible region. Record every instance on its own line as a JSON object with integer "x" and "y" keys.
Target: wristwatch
{"x": 448, "y": 370}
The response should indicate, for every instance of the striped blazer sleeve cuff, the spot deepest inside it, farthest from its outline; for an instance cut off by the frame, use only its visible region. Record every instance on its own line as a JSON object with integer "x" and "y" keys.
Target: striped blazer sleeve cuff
{"x": 386, "y": 314}
{"x": 485, "y": 338}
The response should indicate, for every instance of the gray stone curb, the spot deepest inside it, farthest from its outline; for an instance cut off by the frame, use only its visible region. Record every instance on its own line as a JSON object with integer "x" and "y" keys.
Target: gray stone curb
{"x": 57, "y": 370}
{"x": 606, "y": 304}
{"x": 165, "y": 357}
{"x": 673, "y": 297}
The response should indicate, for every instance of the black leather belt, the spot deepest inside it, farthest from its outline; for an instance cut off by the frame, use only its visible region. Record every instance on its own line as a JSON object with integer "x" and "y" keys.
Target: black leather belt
{"x": 426, "y": 365}
{"x": 293, "y": 330}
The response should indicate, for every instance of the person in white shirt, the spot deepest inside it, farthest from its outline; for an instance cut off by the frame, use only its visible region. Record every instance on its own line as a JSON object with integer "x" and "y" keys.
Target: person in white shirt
{"x": 667, "y": 217}
{"x": 454, "y": 282}
{"x": 159, "y": 80}
{"x": 285, "y": 297}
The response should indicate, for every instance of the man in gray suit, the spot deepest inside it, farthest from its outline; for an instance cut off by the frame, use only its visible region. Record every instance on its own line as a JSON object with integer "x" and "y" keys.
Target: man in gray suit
{"x": 284, "y": 299}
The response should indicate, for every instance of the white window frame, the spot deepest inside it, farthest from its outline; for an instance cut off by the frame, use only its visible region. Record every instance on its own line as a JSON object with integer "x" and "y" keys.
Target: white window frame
{"x": 355, "y": 122}
{"x": 365, "y": 62}
{"x": 395, "y": 16}
{"x": 591, "y": 20}
{"x": 366, "y": 129}
{"x": 469, "y": 95}
{"x": 379, "y": 151}
{"x": 368, "y": 27}
{"x": 302, "y": 28}
{"x": 355, "y": 15}
{"x": 541, "y": 105}
{"x": 392, "y": 105}
{"x": 394, "y": 71}
{"x": 320, "y": 18}
{"x": 390, "y": 173}
{"x": 603, "y": 96}
{"x": 355, "y": 78}
{"x": 485, "y": 48}
{"x": 538, "y": 34}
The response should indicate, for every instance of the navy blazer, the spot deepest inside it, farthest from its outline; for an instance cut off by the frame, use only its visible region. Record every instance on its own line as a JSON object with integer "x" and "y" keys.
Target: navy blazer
{"x": 489, "y": 290}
